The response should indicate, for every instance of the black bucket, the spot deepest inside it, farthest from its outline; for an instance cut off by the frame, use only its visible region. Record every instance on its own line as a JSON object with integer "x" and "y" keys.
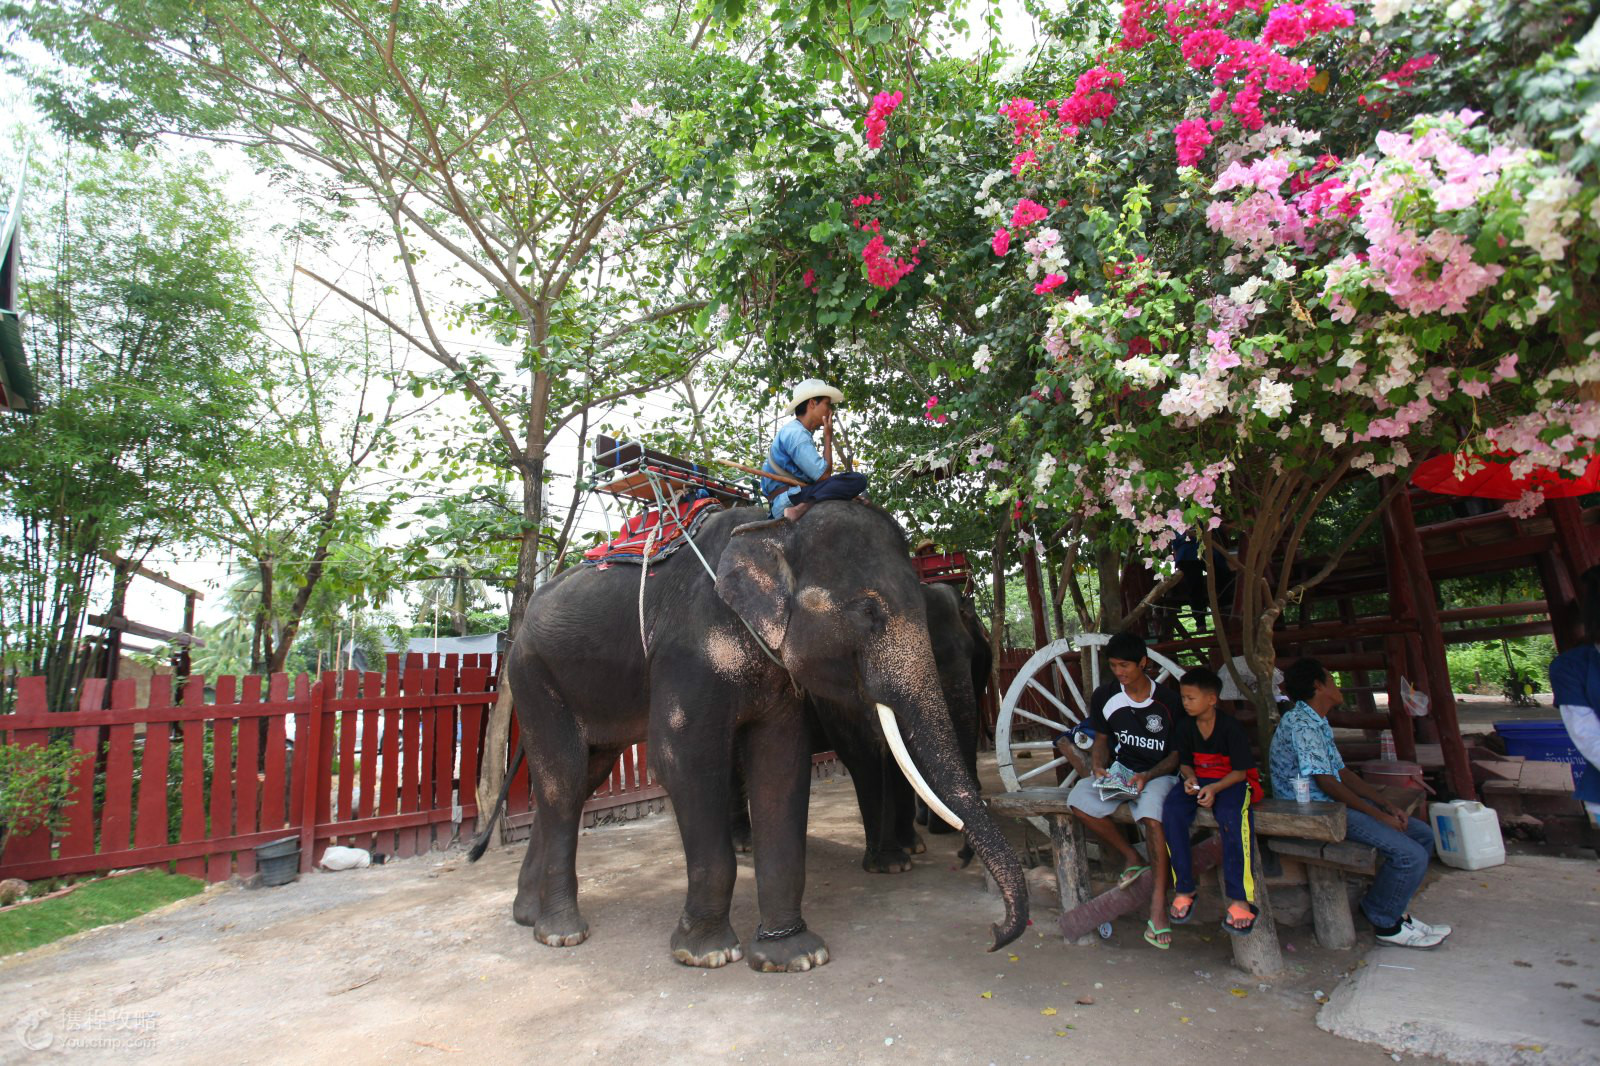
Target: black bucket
{"x": 278, "y": 861}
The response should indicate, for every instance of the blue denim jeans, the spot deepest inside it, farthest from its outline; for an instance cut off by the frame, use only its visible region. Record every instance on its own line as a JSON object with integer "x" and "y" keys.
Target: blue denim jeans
{"x": 1405, "y": 863}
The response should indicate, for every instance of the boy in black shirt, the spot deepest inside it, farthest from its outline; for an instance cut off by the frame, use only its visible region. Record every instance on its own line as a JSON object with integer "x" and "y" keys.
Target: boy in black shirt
{"x": 1218, "y": 772}
{"x": 1132, "y": 718}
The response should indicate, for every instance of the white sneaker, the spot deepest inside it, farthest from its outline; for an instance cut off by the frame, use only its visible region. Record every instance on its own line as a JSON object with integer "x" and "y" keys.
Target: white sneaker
{"x": 1409, "y": 936}
{"x": 1437, "y": 929}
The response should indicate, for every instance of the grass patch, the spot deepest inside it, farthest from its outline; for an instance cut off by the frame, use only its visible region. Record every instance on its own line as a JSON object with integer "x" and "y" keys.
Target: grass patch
{"x": 99, "y": 903}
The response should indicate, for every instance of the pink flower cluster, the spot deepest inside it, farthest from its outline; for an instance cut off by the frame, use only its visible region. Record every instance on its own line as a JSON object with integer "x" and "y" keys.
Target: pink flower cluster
{"x": 1089, "y": 100}
{"x": 1405, "y": 75}
{"x": 1134, "y": 32}
{"x": 1002, "y": 241}
{"x": 883, "y": 269}
{"x": 1290, "y": 24}
{"x": 1436, "y": 272}
{"x": 1027, "y": 119}
{"x": 1196, "y": 25}
{"x": 1262, "y": 220}
{"x": 1192, "y": 135}
{"x": 877, "y": 121}
{"x": 931, "y": 412}
{"x": 1026, "y": 213}
{"x": 1050, "y": 283}
{"x": 808, "y": 280}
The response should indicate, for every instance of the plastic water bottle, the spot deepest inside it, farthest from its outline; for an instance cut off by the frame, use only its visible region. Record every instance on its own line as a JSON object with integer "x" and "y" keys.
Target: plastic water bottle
{"x": 1105, "y": 930}
{"x": 1386, "y": 746}
{"x": 1302, "y": 790}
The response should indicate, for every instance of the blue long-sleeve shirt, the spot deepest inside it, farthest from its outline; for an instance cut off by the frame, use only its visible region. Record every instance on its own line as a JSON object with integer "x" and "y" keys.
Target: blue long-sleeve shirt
{"x": 793, "y": 452}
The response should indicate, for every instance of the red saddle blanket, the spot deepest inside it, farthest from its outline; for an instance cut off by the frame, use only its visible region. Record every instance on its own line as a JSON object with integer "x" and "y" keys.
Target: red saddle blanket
{"x": 629, "y": 545}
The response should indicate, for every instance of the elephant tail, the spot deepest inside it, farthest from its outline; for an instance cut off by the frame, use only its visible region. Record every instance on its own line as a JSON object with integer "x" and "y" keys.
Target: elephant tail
{"x": 481, "y": 843}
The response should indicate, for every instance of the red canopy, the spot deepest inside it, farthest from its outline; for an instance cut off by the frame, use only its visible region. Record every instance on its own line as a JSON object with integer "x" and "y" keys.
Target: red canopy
{"x": 1494, "y": 481}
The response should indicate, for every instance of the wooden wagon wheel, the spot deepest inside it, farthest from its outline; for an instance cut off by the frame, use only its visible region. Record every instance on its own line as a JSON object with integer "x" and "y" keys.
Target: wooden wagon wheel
{"x": 1019, "y": 729}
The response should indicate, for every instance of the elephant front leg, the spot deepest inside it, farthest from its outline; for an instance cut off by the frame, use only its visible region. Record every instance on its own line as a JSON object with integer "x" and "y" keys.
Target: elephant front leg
{"x": 778, "y": 757}
{"x": 694, "y": 766}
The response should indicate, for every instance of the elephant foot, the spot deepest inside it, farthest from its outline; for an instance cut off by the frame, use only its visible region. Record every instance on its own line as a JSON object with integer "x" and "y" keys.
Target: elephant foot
{"x": 916, "y": 846}
{"x": 792, "y": 954}
{"x": 525, "y": 909}
{"x": 892, "y": 861}
{"x": 566, "y": 929}
{"x": 709, "y": 945}
{"x": 741, "y": 839}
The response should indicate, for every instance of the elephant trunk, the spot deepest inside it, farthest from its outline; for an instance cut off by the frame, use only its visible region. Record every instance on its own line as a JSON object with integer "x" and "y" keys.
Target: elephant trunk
{"x": 951, "y": 793}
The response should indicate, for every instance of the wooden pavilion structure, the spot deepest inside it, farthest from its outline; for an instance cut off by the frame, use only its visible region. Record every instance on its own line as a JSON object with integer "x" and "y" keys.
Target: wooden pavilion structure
{"x": 1424, "y": 541}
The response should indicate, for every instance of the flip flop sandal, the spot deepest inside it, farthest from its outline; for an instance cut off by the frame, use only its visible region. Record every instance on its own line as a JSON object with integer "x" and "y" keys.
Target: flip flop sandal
{"x": 1241, "y": 930}
{"x": 1188, "y": 912}
{"x": 1151, "y": 932}
{"x": 1130, "y": 875}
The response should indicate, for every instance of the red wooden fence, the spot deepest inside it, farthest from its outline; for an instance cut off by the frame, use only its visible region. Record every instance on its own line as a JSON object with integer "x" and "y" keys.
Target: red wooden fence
{"x": 384, "y": 761}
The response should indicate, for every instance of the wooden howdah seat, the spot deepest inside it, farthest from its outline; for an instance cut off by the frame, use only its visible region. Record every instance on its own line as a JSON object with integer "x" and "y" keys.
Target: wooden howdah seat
{"x": 629, "y": 470}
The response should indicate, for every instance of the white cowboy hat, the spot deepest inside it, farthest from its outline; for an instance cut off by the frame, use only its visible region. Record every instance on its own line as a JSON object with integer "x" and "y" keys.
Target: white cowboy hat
{"x": 811, "y": 388}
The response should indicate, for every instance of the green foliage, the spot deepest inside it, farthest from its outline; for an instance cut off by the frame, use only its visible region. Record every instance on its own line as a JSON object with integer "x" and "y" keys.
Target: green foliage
{"x": 140, "y": 317}
{"x": 1481, "y": 666}
{"x": 98, "y": 903}
{"x": 34, "y": 782}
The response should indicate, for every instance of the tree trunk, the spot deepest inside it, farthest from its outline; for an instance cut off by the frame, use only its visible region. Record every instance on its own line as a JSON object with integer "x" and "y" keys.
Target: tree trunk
{"x": 497, "y": 733}
{"x": 1109, "y": 561}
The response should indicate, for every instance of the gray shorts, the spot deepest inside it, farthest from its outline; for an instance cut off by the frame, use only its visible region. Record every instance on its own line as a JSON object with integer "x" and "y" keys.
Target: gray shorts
{"x": 1146, "y": 806}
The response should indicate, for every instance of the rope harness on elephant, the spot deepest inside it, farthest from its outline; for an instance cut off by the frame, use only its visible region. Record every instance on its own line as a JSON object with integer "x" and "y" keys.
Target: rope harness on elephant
{"x": 667, "y": 508}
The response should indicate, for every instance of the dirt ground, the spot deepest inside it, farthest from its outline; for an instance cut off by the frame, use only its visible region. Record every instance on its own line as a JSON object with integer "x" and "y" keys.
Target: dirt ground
{"x": 420, "y": 960}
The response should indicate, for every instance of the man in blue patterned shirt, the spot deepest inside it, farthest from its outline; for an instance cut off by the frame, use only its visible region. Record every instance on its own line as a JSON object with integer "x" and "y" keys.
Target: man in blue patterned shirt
{"x": 794, "y": 455}
{"x": 1303, "y": 747}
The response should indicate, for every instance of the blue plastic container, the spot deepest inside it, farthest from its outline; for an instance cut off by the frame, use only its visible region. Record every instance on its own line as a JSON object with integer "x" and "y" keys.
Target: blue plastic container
{"x": 1547, "y": 741}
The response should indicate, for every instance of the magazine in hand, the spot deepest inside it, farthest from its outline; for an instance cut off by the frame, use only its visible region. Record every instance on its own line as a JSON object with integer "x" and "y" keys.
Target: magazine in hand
{"x": 1118, "y": 782}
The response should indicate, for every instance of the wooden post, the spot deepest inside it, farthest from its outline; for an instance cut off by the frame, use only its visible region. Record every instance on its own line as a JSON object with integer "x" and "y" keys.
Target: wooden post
{"x": 1072, "y": 866}
{"x": 113, "y": 638}
{"x": 1442, "y": 705}
{"x": 311, "y": 747}
{"x": 1030, "y": 576}
{"x": 1572, "y": 540}
{"x": 1405, "y": 652}
{"x": 1256, "y": 953}
{"x": 1561, "y": 593}
{"x": 1330, "y": 908}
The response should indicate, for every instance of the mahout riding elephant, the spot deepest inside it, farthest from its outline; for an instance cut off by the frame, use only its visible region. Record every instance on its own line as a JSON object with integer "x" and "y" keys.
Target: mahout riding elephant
{"x": 886, "y": 799}
{"x": 595, "y": 668}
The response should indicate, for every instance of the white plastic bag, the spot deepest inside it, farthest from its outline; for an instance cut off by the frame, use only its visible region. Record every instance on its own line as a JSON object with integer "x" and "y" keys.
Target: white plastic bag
{"x": 1416, "y": 702}
{"x": 338, "y": 858}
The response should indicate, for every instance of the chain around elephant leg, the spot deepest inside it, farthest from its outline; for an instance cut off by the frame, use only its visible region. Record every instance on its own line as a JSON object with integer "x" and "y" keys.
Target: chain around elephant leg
{"x": 791, "y": 949}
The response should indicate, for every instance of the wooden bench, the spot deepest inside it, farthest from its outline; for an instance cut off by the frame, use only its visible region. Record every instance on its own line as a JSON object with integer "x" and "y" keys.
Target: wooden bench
{"x": 1258, "y": 953}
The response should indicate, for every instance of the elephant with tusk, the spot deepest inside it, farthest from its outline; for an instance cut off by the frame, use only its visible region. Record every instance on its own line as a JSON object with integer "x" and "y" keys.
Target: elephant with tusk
{"x": 834, "y": 599}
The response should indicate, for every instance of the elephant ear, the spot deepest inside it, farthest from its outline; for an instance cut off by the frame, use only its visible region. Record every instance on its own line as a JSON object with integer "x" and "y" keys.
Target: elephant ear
{"x": 754, "y": 578}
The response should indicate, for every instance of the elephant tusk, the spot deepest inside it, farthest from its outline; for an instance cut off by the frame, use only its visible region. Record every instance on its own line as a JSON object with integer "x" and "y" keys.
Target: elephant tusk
{"x": 891, "y": 732}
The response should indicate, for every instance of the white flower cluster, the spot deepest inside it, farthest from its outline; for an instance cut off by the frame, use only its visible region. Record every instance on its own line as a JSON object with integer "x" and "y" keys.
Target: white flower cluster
{"x": 1384, "y": 11}
{"x": 1045, "y": 474}
{"x": 1548, "y": 218}
{"x": 1273, "y": 397}
{"x": 1141, "y": 371}
{"x": 981, "y": 360}
{"x": 1045, "y": 253}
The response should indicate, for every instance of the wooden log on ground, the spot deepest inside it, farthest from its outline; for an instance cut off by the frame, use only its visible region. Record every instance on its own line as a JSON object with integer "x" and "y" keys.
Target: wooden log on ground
{"x": 1080, "y": 923}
